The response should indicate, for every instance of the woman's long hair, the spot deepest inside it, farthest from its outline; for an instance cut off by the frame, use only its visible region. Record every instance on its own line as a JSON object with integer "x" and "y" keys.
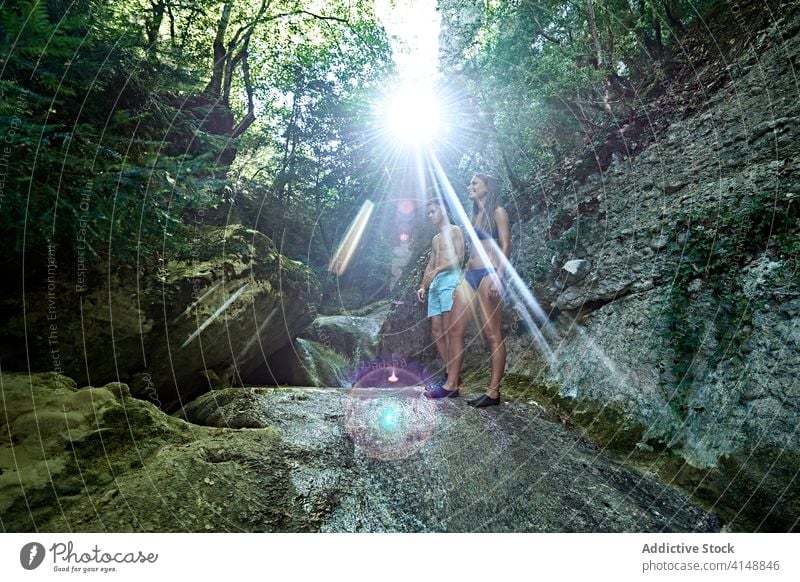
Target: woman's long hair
{"x": 484, "y": 218}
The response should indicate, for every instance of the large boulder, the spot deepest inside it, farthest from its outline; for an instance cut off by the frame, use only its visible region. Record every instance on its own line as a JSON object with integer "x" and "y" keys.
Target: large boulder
{"x": 96, "y": 459}
{"x": 354, "y": 337}
{"x": 406, "y": 330}
{"x": 243, "y": 308}
{"x": 219, "y": 314}
{"x": 330, "y": 351}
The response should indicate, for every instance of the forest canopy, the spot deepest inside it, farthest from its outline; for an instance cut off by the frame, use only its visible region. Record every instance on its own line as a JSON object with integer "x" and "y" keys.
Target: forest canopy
{"x": 546, "y": 77}
{"x": 124, "y": 119}
{"x": 128, "y": 122}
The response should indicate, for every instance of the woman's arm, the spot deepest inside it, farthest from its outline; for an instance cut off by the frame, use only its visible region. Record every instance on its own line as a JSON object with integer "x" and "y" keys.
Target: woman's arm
{"x": 504, "y": 242}
{"x": 503, "y": 236}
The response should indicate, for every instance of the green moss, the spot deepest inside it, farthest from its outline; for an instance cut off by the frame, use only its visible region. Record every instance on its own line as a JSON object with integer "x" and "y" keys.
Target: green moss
{"x": 606, "y": 425}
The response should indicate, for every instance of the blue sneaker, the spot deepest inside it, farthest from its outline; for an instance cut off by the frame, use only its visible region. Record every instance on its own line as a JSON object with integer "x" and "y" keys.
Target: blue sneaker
{"x": 439, "y": 391}
{"x": 436, "y": 384}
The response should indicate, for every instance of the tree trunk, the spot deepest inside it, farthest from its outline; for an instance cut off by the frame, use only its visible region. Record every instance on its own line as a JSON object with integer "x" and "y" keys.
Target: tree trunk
{"x": 214, "y": 87}
{"x": 601, "y": 58}
{"x": 153, "y": 24}
{"x": 598, "y": 45}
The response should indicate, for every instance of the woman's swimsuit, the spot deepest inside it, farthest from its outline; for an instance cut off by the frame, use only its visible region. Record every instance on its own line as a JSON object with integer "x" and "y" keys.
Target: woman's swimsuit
{"x": 485, "y": 234}
{"x": 475, "y": 276}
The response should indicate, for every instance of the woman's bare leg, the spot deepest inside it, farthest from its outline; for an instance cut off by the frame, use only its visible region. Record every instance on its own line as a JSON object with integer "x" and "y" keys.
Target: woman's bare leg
{"x": 492, "y": 321}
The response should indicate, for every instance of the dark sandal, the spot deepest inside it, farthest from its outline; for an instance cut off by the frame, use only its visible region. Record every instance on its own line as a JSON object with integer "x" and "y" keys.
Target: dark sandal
{"x": 440, "y": 392}
{"x": 484, "y": 401}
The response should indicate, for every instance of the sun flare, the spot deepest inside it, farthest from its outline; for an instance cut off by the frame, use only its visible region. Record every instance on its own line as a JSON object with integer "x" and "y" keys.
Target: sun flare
{"x": 413, "y": 116}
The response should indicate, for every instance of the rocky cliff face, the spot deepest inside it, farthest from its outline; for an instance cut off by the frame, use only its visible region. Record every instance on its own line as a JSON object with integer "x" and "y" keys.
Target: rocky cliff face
{"x": 688, "y": 312}
{"x": 460, "y": 21}
{"x": 666, "y": 259}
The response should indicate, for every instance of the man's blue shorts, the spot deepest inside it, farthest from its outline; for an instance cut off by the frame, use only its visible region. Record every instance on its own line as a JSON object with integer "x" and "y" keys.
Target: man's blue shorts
{"x": 440, "y": 293}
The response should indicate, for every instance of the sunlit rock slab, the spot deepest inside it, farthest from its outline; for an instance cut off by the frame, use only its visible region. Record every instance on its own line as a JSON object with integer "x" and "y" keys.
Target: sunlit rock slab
{"x": 391, "y": 460}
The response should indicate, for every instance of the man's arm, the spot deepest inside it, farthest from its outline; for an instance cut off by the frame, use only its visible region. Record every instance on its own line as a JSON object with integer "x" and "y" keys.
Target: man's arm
{"x": 429, "y": 273}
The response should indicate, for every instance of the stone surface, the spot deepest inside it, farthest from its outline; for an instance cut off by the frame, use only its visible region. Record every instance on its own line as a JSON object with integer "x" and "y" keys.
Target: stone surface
{"x": 388, "y": 460}
{"x": 245, "y": 300}
{"x": 295, "y": 459}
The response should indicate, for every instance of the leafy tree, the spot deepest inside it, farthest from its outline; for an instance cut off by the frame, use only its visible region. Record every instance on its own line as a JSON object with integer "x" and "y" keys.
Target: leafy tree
{"x": 125, "y": 116}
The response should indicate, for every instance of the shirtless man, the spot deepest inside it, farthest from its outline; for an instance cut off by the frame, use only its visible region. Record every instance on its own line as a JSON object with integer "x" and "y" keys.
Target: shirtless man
{"x": 441, "y": 278}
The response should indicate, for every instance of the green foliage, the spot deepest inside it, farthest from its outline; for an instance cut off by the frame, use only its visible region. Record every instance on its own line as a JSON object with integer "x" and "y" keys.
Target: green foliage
{"x": 541, "y": 265}
{"x": 549, "y": 76}
{"x": 712, "y": 246}
{"x": 116, "y": 141}
{"x": 84, "y": 167}
{"x": 309, "y": 163}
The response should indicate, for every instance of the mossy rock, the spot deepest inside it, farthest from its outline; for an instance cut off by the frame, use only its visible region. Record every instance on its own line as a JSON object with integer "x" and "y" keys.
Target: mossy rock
{"x": 607, "y": 425}
{"x": 95, "y": 459}
{"x": 751, "y": 491}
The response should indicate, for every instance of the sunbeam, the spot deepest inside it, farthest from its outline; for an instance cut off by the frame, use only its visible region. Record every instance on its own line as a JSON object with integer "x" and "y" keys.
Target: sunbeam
{"x": 343, "y": 255}
{"x": 197, "y": 302}
{"x": 216, "y": 314}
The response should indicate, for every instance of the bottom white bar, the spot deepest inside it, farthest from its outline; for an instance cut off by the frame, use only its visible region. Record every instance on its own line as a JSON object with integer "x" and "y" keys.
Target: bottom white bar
{"x": 379, "y": 557}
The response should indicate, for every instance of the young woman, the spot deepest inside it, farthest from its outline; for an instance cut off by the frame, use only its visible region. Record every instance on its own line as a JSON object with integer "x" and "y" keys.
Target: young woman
{"x": 481, "y": 290}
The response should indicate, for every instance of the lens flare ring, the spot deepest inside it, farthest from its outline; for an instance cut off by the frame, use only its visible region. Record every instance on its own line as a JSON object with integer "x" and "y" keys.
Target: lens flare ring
{"x": 385, "y": 414}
